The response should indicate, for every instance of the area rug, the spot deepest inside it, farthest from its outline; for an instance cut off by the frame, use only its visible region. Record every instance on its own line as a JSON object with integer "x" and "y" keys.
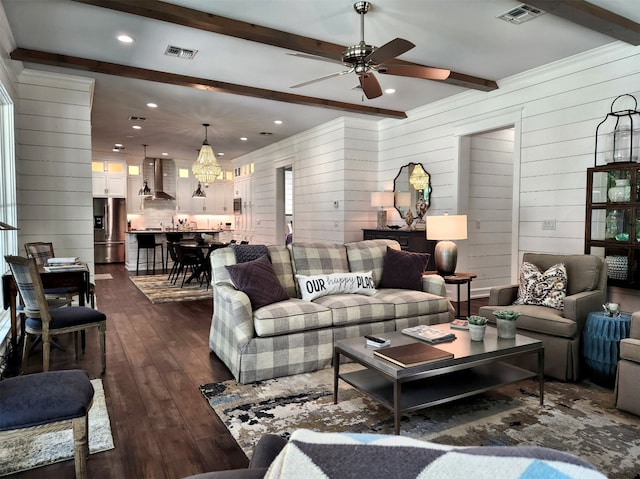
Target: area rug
{"x": 101, "y": 276}
{"x": 158, "y": 290}
{"x": 576, "y": 418}
{"x": 31, "y": 450}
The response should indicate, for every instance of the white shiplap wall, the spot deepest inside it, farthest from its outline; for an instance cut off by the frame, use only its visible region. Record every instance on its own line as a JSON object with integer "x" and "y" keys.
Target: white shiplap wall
{"x": 53, "y": 162}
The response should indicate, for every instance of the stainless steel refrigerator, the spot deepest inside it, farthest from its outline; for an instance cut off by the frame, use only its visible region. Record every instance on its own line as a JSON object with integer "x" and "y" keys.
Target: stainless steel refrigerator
{"x": 109, "y": 226}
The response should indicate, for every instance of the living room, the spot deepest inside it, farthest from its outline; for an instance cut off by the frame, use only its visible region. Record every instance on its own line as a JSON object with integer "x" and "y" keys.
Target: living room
{"x": 551, "y": 112}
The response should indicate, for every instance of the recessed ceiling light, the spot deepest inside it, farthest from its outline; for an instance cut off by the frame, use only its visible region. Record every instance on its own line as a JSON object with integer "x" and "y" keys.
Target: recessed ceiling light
{"x": 390, "y": 90}
{"x": 164, "y": 153}
{"x": 125, "y": 38}
{"x": 243, "y": 138}
{"x": 118, "y": 145}
{"x": 278, "y": 122}
{"x": 220, "y": 153}
{"x": 136, "y": 127}
{"x": 152, "y": 105}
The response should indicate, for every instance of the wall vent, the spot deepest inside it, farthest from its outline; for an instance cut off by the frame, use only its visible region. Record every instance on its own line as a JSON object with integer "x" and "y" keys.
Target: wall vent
{"x": 187, "y": 54}
{"x": 520, "y": 14}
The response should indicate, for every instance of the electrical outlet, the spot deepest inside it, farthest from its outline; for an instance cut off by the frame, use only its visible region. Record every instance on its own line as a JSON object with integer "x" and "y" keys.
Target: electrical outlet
{"x": 336, "y": 204}
{"x": 548, "y": 224}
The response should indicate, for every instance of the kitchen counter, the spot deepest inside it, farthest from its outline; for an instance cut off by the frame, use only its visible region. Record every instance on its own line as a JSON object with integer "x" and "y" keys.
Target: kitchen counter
{"x": 160, "y": 232}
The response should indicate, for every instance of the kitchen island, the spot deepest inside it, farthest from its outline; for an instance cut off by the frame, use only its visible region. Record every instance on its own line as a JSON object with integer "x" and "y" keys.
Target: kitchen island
{"x": 131, "y": 244}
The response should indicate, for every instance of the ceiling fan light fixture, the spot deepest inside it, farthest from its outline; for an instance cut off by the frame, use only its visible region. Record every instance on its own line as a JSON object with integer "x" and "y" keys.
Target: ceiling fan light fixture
{"x": 206, "y": 168}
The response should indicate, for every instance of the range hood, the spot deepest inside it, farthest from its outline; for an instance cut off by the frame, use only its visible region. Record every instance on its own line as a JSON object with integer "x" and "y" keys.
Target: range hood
{"x": 158, "y": 182}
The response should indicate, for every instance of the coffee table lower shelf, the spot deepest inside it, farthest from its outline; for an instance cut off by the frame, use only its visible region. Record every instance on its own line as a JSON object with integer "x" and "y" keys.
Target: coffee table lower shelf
{"x": 438, "y": 389}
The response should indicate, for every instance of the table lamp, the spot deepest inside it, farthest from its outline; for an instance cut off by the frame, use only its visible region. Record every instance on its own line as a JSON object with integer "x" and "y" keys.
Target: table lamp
{"x": 444, "y": 229}
{"x": 382, "y": 200}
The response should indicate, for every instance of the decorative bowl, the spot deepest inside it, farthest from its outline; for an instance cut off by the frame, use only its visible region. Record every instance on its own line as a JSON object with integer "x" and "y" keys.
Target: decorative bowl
{"x": 393, "y": 227}
{"x": 622, "y": 237}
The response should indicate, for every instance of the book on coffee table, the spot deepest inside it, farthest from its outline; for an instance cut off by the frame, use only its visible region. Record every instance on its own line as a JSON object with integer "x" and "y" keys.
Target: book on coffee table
{"x": 413, "y": 354}
{"x": 429, "y": 334}
{"x": 459, "y": 324}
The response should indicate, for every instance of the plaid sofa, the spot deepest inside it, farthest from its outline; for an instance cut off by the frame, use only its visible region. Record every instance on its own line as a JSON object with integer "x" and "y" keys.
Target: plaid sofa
{"x": 296, "y": 336}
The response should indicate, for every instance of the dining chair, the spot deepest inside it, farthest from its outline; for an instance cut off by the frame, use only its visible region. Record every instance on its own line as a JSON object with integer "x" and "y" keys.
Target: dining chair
{"x": 41, "y": 251}
{"x": 189, "y": 259}
{"x": 48, "y": 402}
{"x": 43, "y": 321}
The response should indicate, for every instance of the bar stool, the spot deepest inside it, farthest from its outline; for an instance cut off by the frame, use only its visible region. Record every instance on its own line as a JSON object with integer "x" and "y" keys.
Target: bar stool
{"x": 147, "y": 241}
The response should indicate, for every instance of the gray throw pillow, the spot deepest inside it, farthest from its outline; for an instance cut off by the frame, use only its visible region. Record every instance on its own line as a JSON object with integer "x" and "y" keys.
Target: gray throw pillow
{"x": 403, "y": 269}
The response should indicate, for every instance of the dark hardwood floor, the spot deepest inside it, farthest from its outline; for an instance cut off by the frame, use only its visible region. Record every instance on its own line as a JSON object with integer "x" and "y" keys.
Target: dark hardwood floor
{"x": 157, "y": 356}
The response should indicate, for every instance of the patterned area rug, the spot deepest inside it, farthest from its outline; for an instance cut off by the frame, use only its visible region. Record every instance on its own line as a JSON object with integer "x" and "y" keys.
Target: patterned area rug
{"x": 576, "y": 418}
{"x": 158, "y": 290}
{"x": 31, "y": 450}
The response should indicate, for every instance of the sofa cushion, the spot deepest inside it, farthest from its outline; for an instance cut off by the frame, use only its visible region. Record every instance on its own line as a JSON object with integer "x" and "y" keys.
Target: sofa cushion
{"x": 258, "y": 281}
{"x": 369, "y": 255}
{"x": 409, "y": 303}
{"x": 312, "y": 287}
{"x": 547, "y": 288}
{"x": 290, "y": 316}
{"x": 539, "y": 319}
{"x": 356, "y": 308}
{"x": 281, "y": 262}
{"x": 319, "y": 258}
{"x": 403, "y": 269}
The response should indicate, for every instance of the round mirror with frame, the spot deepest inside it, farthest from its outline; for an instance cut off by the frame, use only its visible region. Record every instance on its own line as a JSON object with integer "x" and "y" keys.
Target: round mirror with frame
{"x": 412, "y": 192}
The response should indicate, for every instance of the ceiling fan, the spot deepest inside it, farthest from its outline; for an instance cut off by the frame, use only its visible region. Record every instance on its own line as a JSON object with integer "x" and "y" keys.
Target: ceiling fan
{"x": 365, "y": 59}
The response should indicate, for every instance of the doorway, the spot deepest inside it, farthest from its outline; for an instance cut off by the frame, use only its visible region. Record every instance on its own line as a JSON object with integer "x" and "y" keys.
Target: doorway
{"x": 488, "y": 192}
{"x": 284, "y": 204}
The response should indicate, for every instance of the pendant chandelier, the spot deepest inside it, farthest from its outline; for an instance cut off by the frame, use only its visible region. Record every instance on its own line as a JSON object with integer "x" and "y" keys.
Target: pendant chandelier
{"x": 144, "y": 191}
{"x": 206, "y": 169}
{"x": 419, "y": 178}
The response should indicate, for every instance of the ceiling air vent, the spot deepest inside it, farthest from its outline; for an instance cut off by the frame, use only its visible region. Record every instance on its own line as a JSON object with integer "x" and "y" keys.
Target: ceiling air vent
{"x": 137, "y": 118}
{"x": 520, "y": 14}
{"x": 185, "y": 53}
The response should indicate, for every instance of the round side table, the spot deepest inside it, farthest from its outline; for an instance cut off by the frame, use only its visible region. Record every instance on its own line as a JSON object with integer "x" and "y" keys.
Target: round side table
{"x": 601, "y": 344}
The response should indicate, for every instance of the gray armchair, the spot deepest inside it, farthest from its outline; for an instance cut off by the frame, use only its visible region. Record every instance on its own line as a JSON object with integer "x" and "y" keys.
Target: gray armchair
{"x": 560, "y": 331}
{"x": 628, "y": 374}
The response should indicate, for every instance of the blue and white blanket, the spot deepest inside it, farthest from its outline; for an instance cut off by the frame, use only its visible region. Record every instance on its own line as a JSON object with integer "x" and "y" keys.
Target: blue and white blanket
{"x": 315, "y": 455}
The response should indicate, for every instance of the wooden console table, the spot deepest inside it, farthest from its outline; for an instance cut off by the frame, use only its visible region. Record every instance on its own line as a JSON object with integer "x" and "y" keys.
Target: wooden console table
{"x": 410, "y": 240}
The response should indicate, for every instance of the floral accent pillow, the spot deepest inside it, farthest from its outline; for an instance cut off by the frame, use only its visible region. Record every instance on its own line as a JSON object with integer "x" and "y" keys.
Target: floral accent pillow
{"x": 547, "y": 288}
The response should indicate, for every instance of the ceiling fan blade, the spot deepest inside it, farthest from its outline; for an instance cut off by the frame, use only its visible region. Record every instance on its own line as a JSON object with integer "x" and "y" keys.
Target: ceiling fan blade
{"x": 315, "y": 80}
{"x": 415, "y": 71}
{"x": 315, "y": 57}
{"x": 370, "y": 85}
{"x": 389, "y": 50}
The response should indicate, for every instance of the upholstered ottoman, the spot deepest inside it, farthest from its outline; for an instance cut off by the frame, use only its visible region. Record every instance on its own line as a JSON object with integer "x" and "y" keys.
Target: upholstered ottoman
{"x": 52, "y": 401}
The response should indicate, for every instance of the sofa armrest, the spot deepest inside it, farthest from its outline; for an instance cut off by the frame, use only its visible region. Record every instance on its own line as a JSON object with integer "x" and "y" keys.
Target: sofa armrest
{"x": 434, "y": 284}
{"x": 578, "y": 306}
{"x": 635, "y": 325}
{"x": 503, "y": 295}
{"x": 233, "y": 307}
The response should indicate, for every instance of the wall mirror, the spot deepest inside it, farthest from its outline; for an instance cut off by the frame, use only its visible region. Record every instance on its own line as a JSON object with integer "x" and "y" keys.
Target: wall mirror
{"x": 412, "y": 188}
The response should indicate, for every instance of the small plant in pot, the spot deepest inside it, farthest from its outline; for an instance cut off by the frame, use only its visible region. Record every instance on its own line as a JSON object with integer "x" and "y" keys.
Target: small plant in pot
{"x": 506, "y": 323}
{"x": 477, "y": 327}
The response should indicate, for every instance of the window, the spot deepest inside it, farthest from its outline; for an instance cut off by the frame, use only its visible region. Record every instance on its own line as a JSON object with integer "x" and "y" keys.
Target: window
{"x": 288, "y": 192}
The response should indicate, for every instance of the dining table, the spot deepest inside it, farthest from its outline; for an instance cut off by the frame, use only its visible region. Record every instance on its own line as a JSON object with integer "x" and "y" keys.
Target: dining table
{"x": 203, "y": 251}
{"x": 76, "y": 276}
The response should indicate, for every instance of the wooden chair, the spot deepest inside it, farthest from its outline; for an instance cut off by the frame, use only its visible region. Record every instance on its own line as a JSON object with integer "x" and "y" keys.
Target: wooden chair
{"x": 41, "y": 251}
{"x": 43, "y": 321}
{"x": 49, "y": 402}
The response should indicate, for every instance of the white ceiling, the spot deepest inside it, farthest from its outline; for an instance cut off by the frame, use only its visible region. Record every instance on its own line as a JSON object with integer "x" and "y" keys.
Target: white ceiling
{"x": 461, "y": 35}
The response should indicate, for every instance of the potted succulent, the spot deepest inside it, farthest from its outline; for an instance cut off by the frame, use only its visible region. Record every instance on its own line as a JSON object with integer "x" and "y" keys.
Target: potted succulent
{"x": 477, "y": 327}
{"x": 506, "y": 323}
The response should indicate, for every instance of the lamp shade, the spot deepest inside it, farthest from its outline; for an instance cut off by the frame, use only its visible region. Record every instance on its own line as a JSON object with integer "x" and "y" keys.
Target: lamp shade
{"x": 447, "y": 227}
{"x": 382, "y": 199}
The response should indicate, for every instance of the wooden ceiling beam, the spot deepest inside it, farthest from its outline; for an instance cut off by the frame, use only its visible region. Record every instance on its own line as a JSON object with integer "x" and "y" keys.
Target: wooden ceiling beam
{"x": 593, "y": 17}
{"x": 66, "y": 61}
{"x": 189, "y": 17}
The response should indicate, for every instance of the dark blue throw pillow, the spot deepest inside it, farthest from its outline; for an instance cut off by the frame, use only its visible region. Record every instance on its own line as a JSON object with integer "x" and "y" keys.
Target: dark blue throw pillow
{"x": 258, "y": 280}
{"x": 403, "y": 269}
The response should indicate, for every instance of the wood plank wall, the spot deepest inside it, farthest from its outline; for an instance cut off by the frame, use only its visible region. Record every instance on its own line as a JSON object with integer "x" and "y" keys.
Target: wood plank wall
{"x": 53, "y": 162}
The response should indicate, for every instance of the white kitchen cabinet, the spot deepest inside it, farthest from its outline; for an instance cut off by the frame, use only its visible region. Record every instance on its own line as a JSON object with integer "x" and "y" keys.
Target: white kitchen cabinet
{"x": 244, "y": 222}
{"x": 135, "y": 203}
{"x": 184, "y": 190}
{"x": 109, "y": 178}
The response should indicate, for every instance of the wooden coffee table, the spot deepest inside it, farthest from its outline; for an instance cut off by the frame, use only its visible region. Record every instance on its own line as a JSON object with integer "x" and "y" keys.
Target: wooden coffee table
{"x": 475, "y": 368}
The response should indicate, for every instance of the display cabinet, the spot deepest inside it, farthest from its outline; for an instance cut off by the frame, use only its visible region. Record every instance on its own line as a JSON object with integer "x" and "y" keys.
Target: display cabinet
{"x": 612, "y": 225}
